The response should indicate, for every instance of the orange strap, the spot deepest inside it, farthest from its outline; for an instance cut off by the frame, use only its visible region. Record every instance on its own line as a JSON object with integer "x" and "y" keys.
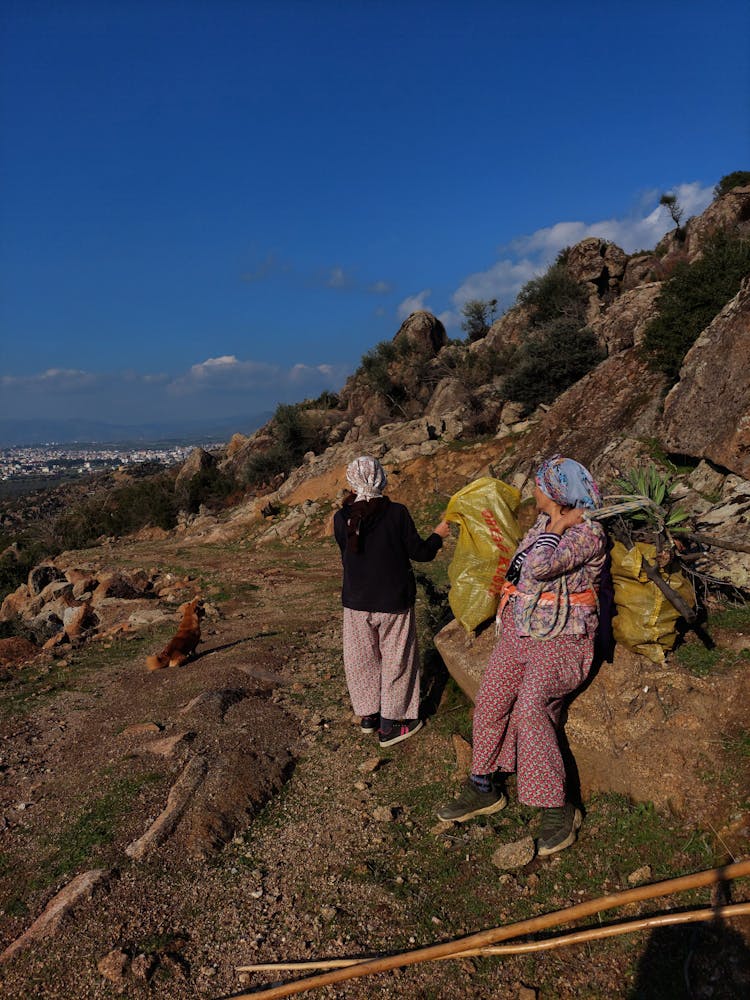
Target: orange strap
{"x": 585, "y": 598}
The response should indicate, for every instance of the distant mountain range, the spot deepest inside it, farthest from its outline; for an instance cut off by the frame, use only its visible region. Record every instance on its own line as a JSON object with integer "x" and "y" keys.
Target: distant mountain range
{"x": 17, "y": 433}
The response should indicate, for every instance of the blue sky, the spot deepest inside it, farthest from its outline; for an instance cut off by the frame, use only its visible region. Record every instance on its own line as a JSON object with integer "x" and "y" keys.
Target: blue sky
{"x": 210, "y": 206}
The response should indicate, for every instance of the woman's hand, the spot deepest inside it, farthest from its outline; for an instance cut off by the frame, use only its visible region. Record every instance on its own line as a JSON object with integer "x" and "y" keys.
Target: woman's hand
{"x": 565, "y": 519}
{"x": 443, "y": 529}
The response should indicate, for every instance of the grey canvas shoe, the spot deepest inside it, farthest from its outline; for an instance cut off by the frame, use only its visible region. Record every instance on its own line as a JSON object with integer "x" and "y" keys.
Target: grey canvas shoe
{"x": 471, "y": 802}
{"x": 559, "y": 829}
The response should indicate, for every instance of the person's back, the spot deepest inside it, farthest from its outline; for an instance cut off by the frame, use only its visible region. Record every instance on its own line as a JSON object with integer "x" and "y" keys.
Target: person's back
{"x": 377, "y": 572}
{"x": 378, "y": 540}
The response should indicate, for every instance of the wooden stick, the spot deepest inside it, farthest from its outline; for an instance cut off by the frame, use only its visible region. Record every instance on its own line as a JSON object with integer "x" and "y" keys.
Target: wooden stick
{"x": 496, "y": 934}
{"x": 578, "y": 937}
{"x": 719, "y": 543}
{"x": 688, "y": 613}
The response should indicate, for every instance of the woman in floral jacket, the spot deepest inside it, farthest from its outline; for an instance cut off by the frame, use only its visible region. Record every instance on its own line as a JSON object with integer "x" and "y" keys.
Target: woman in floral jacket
{"x": 547, "y": 619}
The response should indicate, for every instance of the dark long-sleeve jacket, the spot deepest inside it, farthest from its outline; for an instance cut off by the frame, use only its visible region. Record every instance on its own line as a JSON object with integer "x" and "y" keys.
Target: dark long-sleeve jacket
{"x": 379, "y": 576}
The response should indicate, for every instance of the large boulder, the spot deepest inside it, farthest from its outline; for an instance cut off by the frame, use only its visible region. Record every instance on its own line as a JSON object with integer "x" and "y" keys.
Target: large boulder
{"x": 424, "y": 330}
{"x": 16, "y": 650}
{"x": 198, "y": 461}
{"x": 599, "y": 266}
{"x": 42, "y": 575}
{"x": 729, "y": 521}
{"x": 624, "y": 322}
{"x": 510, "y": 330}
{"x": 640, "y": 269}
{"x": 450, "y": 394}
{"x": 707, "y": 414}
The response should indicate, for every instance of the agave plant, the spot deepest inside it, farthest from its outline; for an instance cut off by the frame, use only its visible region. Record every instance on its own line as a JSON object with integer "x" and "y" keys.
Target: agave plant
{"x": 655, "y": 486}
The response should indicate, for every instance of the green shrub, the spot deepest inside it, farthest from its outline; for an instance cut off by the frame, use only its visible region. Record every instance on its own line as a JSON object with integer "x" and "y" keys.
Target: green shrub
{"x": 209, "y": 486}
{"x": 396, "y": 370}
{"x": 294, "y": 434}
{"x": 478, "y": 317}
{"x": 15, "y": 566}
{"x": 551, "y": 361}
{"x": 738, "y": 178}
{"x": 692, "y": 297}
{"x": 263, "y": 466}
{"x": 554, "y": 295}
{"x": 148, "y": 502}
{"x": 473, "y": 368}
{"x": 375, "y": 370}
{"x": 325, "y": 401}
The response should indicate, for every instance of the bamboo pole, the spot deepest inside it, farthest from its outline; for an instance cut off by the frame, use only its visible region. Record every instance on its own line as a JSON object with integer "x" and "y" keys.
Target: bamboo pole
{"x": 497, "y": 934}
{"x": 525, "y": 947}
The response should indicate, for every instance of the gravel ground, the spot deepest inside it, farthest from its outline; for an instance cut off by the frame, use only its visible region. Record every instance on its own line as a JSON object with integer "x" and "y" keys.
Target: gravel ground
{"x": 306, "y": 841}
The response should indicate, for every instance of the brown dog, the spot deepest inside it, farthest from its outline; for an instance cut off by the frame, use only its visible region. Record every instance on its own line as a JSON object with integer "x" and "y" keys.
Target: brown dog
{"x": 182, "y": 647}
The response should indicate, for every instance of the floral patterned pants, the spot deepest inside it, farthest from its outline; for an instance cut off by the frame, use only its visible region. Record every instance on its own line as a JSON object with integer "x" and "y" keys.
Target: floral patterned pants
{"x": 381, "y": 663}
{"x": 518, "y": 709}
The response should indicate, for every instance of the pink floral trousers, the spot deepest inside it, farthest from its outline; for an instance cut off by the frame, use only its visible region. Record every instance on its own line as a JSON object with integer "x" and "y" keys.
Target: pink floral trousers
{"x": 381, "y": 663}
{"x": 518, "y": 709}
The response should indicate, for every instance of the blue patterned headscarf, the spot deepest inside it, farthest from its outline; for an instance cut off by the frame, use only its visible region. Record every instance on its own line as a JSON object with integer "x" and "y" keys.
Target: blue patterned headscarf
{"x": 568, "y": 483}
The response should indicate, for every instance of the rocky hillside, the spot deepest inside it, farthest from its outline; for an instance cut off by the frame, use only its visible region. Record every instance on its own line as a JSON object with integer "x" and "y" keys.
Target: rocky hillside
{"x": 589, "y": 327}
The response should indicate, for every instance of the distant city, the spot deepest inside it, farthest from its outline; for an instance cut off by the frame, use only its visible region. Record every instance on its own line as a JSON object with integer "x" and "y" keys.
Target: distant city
{"x": 52, "y": 462}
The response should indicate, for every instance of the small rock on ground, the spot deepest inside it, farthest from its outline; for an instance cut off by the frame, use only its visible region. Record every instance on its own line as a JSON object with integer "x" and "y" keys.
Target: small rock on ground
{"x": 514, "y": 855}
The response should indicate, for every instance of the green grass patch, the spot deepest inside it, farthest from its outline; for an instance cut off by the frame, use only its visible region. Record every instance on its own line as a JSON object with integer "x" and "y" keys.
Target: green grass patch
{"x": 701, "y": 661}
{"x": 93, "y": 829}
{"x": 738, "y": 744}
{"x": 24, "y": 692}
{"x": 736, "y": 616}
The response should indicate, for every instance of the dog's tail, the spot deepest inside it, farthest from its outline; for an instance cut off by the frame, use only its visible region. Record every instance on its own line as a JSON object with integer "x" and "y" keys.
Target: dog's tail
{"x": 157, "y": 661}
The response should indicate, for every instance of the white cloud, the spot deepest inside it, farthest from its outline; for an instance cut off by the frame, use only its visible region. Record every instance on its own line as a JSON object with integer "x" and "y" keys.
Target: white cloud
{"x": 501, "y": 281}
{"x": 413, "y": 303}
{"x": 379, "y": 288}
{"x": 328, "y": 374}
{"x": 228, "y": 373}
{"x": 338, "y": 278}
{"x": 53, "y": 380}
{"x": 225, "y": 372}
{"x": 271, "y": 266}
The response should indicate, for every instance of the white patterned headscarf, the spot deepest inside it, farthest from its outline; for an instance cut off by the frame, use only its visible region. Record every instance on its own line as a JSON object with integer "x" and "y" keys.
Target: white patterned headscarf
{"x": 367, "y": 477}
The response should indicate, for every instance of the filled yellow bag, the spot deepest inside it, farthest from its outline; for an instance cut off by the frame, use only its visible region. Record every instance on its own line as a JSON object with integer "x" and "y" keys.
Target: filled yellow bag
{"x": 645, "y": 620}
{"x": 485, "y": 511}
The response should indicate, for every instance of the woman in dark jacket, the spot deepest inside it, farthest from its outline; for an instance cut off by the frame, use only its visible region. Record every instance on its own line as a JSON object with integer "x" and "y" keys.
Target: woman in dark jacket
{"x": 378, "y": 539}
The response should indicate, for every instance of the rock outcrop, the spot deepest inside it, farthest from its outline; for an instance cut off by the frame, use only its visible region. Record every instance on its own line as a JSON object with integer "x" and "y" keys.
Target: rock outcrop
{"x": 623, "y": 324}
{"x": 730, "y": 212}
{"x": 198, "y": 461}
{"x": 707, "y": 414}
{"x": 599, "y": 266}
{"x": 616, "y": 403}
{"x": 424, "y": 331}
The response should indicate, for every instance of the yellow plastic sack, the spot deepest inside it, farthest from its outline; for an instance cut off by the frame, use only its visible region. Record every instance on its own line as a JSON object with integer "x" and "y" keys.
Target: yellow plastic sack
{"x": 645, "y": 620}
{"x": 485, "y": 511}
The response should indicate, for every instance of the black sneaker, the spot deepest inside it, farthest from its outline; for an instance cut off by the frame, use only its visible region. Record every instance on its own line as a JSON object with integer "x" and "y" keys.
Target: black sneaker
{"x": 395, "y": 731}
{"x": 471, "y": 802}
{"x": 559, "y": 828}
{"x": 369, "y": 724}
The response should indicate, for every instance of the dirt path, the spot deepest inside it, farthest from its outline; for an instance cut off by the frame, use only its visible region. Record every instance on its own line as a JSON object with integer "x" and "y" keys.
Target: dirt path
{"x": 330, "y": 847}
